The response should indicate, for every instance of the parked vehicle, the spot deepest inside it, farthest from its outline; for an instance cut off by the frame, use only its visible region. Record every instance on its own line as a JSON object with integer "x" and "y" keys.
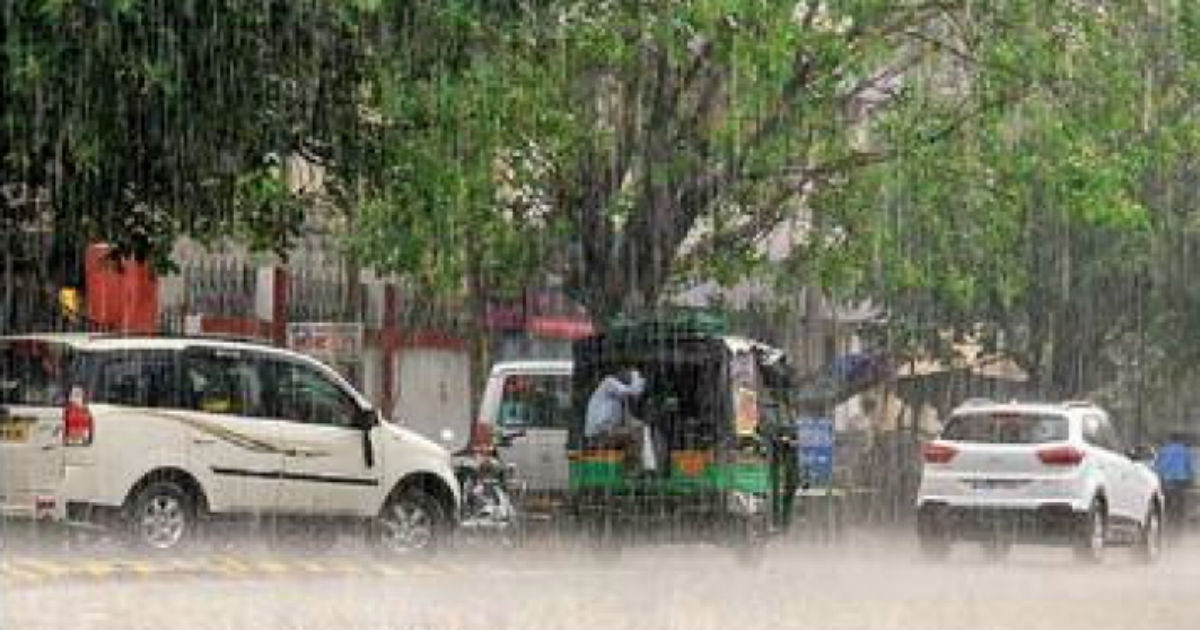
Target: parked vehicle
{"x": 523, "y": 418}
{"x": 713, "y": 401}
{"x": 488, "y": 513}
{"x": 1048, "y": 473}
{"x": 162, "y": 437}
{"x": 34, "y": 373}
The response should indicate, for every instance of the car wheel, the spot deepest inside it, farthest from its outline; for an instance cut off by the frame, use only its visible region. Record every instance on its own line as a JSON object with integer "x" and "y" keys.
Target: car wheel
{"x": 1090, "y": 540}
{"x": 411, "y": 523}
{"x": 161, "y": 517}
{"x": 1149, "y": 544}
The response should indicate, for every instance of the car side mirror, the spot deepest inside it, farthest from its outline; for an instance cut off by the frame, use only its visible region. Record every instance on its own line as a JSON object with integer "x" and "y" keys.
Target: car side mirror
{"x": 368, "y": 418}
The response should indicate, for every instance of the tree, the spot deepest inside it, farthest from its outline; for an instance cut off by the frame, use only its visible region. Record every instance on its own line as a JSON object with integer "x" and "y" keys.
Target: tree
{"x": 146, "y": 120}
{"x": 1053, "y": 228}
{"x": 683, "y": 133}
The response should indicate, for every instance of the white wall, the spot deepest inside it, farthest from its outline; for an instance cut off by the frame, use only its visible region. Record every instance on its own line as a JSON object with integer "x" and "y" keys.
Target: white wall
{"x": 432, "y": 392}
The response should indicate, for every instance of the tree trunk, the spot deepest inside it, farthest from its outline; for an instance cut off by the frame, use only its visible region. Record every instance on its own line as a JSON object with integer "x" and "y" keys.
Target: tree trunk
{"x": 478, "y": 348}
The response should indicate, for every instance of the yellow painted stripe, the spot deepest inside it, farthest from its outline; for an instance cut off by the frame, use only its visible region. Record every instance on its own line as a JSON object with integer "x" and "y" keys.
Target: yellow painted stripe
{"x": 229, "y": 565}
{"x": 43, "y": 567}
{"x": 96, "y": 568}
{"x": 272, "y": 566}
{"x": 13, "y": 577}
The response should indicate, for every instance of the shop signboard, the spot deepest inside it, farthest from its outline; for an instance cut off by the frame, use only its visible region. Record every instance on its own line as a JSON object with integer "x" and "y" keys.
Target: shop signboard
{"x": 814, "y": 439}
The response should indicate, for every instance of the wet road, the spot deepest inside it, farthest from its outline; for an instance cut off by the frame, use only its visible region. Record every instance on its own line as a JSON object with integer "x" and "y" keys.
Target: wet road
{"x": 867, "y": 582}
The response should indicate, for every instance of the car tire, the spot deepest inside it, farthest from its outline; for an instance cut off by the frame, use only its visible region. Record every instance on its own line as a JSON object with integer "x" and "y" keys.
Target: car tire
{"x": 411, "y": 523}
{"x": 1091, "y": 536}
{"x": 161, "y": 517}
{"x": 1148, "y": 547}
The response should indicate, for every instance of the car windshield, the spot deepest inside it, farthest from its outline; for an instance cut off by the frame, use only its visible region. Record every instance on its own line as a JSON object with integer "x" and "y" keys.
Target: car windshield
{"x": 32, "y": 372}
{"x": 1006, "y": 428}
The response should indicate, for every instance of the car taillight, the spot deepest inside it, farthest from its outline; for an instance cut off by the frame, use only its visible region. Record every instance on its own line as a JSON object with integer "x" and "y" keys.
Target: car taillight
{"x": 1060, "y": 456}
{"x": 77, "y": 420}
{"x": 482, "y": 438}
{"x": 934, "y": 453}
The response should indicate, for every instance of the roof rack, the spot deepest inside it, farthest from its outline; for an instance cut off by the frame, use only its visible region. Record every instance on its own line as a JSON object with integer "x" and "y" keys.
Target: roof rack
{"x": 1078, "y": 403}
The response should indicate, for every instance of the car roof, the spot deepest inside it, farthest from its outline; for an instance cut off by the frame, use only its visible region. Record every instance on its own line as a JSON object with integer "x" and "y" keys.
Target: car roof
{"x": 1046, "y": 408}
{"x": 532, "y": 365}
{"x": 120, "y": 342}
{"x": 73, "y": 339}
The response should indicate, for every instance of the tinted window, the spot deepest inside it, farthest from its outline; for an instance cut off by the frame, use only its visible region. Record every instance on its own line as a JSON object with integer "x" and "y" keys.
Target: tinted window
{"x": 136, "y": 379}
{"x": 1006, "y": 428}
{"x": 221, "y": 381}
{"x": 33, "y": 372}
{"x": 305, "y": 395}
{"x": 535, "y": 401}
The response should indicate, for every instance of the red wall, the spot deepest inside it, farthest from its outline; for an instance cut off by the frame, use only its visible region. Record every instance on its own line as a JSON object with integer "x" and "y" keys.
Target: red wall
{"x": 121, "y": 295}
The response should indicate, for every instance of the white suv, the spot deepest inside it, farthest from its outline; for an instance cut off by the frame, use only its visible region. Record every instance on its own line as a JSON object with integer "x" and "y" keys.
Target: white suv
{"x": 1002, "y": 472}
{"x": 162, "y": 436}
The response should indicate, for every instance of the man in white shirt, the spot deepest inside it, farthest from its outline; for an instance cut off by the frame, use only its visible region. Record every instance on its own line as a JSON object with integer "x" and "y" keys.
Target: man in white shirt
{"x": 608, "y": 418}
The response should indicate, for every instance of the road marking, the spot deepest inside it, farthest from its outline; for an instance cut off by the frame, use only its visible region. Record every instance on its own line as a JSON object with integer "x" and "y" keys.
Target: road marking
{"x": 41, "y": 567}
{"x": 272, "y": 567}
{"x": 23, "y": 570}
{"x": 97, "y": 568}
{"x": 228, "y": 565}
{"x": 15, "y": 577}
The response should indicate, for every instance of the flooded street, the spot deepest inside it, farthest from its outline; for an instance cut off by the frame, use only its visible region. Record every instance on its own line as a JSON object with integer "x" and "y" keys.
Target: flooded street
{"x": 867, "y": 582}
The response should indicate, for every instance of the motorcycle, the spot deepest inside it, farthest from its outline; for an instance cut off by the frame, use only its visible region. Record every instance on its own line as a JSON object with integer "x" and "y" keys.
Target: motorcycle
{"x": 488, "y": 512}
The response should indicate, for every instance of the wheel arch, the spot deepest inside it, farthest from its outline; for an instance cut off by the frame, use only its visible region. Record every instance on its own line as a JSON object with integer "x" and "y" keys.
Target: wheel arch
{"x": 433, "y": 485}
{"x": 186, "y": 480}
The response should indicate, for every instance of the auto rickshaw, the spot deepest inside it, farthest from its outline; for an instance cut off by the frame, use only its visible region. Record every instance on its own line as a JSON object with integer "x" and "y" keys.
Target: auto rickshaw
{"x": 715, "y": 404}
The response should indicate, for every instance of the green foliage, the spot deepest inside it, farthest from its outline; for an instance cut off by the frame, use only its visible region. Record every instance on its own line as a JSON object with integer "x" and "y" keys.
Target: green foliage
{"x": 146, "y": 120}
{"x": 1045, "y": 213}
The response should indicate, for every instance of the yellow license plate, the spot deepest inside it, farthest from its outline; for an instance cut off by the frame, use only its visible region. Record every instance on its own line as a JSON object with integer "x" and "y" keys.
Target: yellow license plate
{"x": 15, "y": 430}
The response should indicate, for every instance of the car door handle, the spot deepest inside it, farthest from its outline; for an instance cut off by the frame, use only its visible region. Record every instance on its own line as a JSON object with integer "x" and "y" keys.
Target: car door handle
{"x": 204, "y": 440}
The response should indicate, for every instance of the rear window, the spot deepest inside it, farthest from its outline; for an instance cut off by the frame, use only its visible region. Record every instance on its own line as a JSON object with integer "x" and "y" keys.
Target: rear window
{"x": 135, "y": 378}
{"x": 1006, "y": 428}
{"x": 33, "y": 372}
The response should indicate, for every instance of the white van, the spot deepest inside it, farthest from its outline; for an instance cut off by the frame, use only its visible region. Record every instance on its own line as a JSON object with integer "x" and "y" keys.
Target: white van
{"x": 524, "y": 414}
{"x": 160, "y": 435}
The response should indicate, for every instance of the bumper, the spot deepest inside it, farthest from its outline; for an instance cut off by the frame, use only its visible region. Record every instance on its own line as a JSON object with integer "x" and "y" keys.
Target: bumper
{"x": 1043, "y": 522}
{"x": 36, "y": 508}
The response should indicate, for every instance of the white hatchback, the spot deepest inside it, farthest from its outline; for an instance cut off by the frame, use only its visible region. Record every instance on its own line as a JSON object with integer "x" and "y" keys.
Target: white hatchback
{"x": 1050, "y": 473}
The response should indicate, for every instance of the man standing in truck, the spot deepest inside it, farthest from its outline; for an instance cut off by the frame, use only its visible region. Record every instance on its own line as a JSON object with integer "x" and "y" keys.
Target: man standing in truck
{"x": 609, "y": 420}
